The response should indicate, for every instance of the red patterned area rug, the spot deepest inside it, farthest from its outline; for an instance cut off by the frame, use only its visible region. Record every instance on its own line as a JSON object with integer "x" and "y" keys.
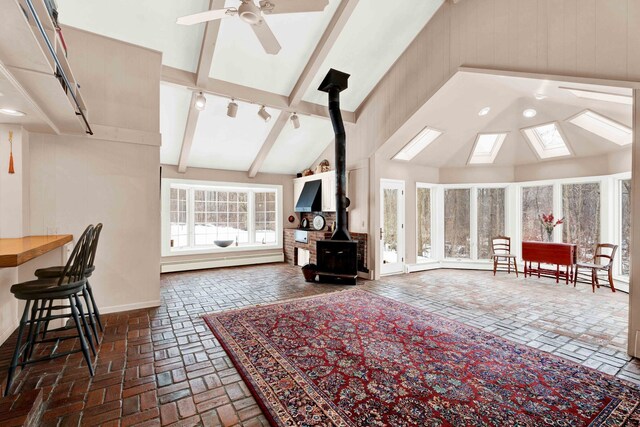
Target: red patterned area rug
{"x": 353, "y": 358}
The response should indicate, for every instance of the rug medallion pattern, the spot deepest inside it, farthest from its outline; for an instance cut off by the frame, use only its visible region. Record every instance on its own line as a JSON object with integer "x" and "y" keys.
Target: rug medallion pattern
{"x": 354, "y": 358}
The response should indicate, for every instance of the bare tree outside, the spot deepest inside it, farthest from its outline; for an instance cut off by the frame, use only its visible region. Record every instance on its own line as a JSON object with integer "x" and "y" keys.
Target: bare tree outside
{"x": 423, "y": 198}
{"x": 457, "y": 223}
{"x": 581, "y": 209}
{"x": 491, "y": 218}
{"x": 625, "y": 210}
{"x": 390, "y": 226}
{"x": 535, "y": 201}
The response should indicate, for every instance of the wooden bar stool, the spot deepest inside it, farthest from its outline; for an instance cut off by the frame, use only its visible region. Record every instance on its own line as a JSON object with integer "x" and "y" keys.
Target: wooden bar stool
{"x": 39, "y": 296}
{"x": 502, "y": 256}
{"x": 87, "y": 293}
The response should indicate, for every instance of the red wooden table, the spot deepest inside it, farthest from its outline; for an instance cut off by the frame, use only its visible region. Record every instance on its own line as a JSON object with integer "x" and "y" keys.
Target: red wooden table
{"x": 558, "y": 254}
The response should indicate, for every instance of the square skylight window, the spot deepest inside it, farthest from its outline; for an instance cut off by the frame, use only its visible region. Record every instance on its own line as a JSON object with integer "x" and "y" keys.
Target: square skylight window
{"x": 547, "y": 141}
{"x": 604, "y": 127}
{"x": 417, "y": 144}
{"x": 601, "y": 96}
{"x": 487, "y": 147}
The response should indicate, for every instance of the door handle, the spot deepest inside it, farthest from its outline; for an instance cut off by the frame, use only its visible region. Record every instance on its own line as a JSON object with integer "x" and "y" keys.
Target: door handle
{"x": 381, "y": 232}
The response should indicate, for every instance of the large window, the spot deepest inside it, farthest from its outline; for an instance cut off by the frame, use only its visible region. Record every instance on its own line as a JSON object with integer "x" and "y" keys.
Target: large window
{"x": 535, "y": 201}
{"x": 457, "y": 223}
{"x": 491, "y": 218}
{"x": 220, "y": 215}
{"x": 581, "y": 210}
{"x": 625, "y": 225}
{"x": 423, "y": 198}
{"x": 200, "y": 215}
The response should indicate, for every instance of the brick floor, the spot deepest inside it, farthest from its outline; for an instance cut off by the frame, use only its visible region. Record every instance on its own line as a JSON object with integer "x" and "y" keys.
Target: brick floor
{"x": 164, "y": 367}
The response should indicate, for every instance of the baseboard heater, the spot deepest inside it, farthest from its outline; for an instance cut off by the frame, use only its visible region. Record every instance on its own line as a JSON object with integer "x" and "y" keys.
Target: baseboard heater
{"x": 231, "y": 261}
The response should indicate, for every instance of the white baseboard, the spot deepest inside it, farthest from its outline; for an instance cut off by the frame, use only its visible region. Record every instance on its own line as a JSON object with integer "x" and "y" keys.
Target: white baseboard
{"x": 128, "y": 307}
{"x": 423, "y": 266}
{"x": 170, "y": 267}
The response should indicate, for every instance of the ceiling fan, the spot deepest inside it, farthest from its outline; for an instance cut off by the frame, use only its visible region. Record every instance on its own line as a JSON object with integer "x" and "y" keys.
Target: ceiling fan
{"x": 252, "y": 14}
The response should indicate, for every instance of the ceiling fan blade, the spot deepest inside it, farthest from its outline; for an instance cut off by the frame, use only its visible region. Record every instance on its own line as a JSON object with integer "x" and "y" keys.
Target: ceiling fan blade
{"x": 292, "y": 6}
{"x": 209, "y": 15}
{"x": 266, "y": 37}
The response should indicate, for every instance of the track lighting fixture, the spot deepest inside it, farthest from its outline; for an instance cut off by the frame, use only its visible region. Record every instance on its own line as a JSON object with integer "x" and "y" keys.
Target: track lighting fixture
{"x": 200, "y": 102}
{"x": 232, "y": 109}
{"x": 263, "y": 114}
{"x": 295, "y": 120}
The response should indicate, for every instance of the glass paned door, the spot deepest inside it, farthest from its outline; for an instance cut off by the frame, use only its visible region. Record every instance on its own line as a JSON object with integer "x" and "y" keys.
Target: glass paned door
{"x": 391, "y": 226}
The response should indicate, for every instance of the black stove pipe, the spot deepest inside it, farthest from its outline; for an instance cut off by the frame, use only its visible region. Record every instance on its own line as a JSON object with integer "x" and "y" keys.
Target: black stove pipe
{"x": 334, "y": 83}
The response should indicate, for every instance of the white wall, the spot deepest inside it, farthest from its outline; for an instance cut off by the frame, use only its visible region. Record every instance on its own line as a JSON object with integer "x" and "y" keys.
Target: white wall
{"x": 76, "y": 181}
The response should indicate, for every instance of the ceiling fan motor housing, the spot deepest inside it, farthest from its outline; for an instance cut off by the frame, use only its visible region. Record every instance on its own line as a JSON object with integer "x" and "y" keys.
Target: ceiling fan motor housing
{"x": 250, "y": 13}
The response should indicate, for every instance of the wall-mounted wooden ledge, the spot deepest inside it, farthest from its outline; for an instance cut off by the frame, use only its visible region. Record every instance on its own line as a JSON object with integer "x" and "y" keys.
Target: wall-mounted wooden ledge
{"x": 14, "y": 252}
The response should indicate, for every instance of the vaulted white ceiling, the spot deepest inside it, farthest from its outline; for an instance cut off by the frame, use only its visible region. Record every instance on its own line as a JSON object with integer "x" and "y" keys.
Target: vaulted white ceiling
{"x": 373, "y": 38}
{"x": 454, "y": 111}
{"x": 239, "y": 56}
{"x": 148, "y": 23}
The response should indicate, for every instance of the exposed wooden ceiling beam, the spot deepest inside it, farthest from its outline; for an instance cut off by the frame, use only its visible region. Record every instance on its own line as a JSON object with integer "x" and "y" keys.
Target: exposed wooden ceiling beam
{"x": 189, "y": 132}
{"x": 208, "y": 45}
{"x": 335, "y": 27}
{"x": 280, "y": 123}
{"x": 202, "y": 75}
{"x": 225, "y": 89}
{"x": 329, "y": 37}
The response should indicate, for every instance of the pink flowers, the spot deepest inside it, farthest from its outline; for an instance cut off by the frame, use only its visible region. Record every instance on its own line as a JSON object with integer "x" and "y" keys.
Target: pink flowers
{"x": 549, "y": 222}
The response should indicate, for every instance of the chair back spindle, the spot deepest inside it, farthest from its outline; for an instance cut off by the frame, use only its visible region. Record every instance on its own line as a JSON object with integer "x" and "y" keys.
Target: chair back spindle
{"x": 77, "y": 263}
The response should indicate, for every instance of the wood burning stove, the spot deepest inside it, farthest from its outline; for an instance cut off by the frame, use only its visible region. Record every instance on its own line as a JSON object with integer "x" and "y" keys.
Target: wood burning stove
{"x": 337, "y": 258}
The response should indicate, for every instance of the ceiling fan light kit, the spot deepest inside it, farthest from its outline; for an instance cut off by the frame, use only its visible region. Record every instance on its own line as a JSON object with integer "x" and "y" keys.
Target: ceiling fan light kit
{"x": 251, "y": 13}
{"x": 264, "y": 115}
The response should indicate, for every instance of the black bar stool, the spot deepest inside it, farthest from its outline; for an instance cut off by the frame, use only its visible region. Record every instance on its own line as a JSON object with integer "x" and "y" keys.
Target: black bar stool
{"x": 87, "y": 293}
{"x": 38, "y": 294}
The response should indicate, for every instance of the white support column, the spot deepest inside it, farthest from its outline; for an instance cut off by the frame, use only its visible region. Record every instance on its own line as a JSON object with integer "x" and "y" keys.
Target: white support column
{"x": 634, "y": 279}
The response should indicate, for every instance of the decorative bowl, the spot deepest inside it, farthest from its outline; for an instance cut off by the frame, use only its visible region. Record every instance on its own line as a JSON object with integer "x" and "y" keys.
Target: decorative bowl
{"x": 223, "y": 243}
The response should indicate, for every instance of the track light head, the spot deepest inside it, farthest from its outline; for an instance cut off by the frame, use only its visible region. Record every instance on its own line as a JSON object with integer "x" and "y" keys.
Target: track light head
{"x": 263, "y": 114}
{"x": 295, "y": 120}
{"x": 232, "y": 109}
{"x": 200, "y": 102}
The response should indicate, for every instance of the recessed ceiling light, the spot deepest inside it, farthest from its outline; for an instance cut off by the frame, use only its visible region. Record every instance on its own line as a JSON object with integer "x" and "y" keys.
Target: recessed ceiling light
{"x": 600, "y": 96}
{"x": 12, "y": 112}
{"x": 540, "y": 96}
{"x": 484, "y": 111}
{"x": 529, "y": 113}
{"x": 417, "y": 144}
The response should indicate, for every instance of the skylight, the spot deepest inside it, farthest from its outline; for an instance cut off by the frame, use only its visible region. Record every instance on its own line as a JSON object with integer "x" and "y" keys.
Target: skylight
{"x": 547, "y": 141}
{"x": 487, "y": 147}
{"x": 600, "y": 96}
{"x": 417, "y": 144}
{"x": 603, "y": 126}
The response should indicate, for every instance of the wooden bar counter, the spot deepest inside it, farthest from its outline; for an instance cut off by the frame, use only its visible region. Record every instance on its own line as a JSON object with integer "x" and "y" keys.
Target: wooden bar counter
{"x": 14, "y": 252}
